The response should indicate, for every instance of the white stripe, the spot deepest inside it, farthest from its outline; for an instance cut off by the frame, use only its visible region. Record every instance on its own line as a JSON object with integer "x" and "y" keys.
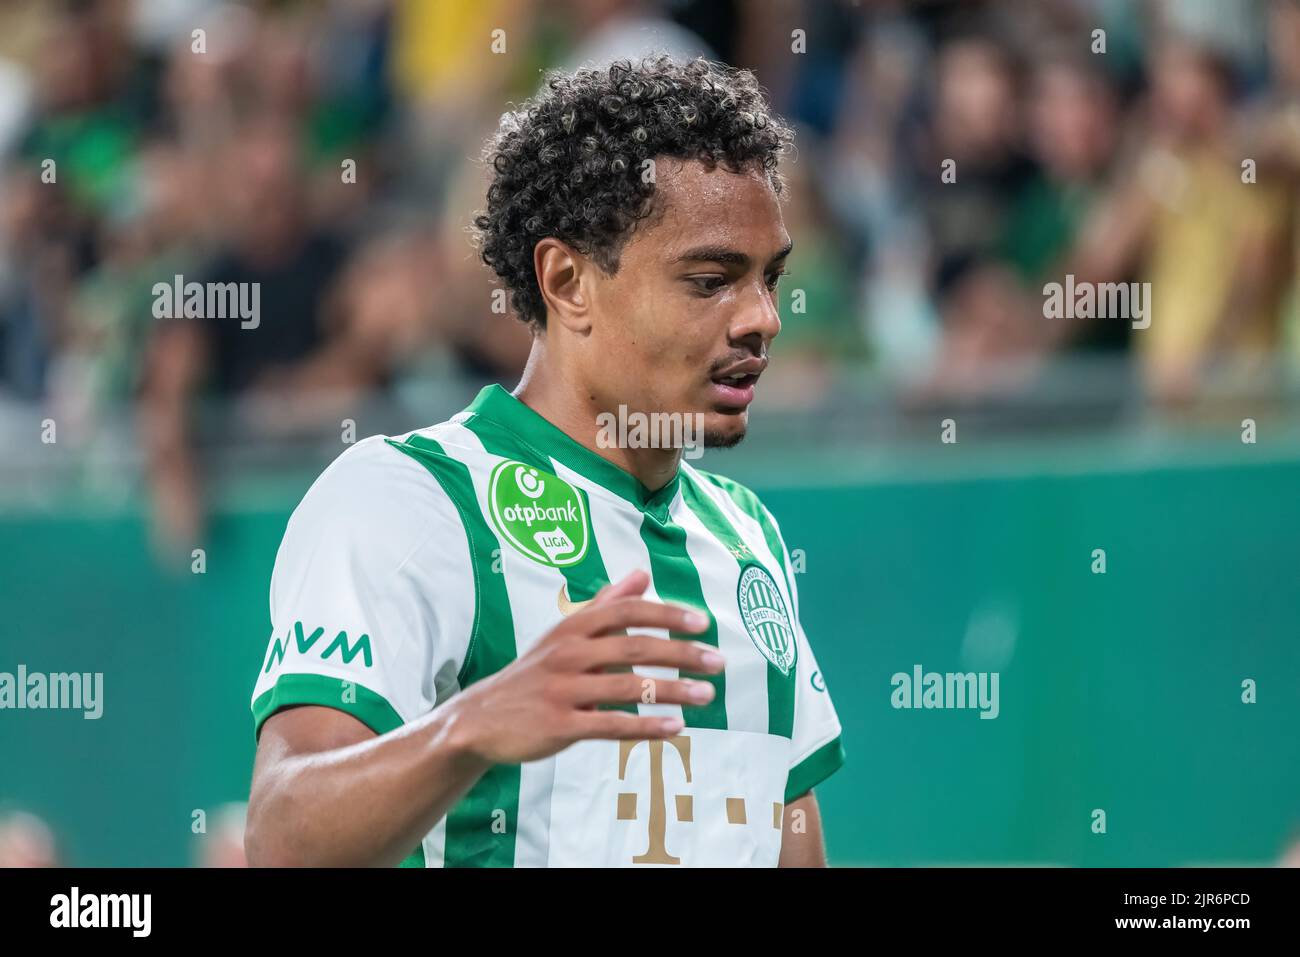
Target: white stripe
{"x": 435, "y": 843}
{"x": 750, "y": 531}
{"x": 746, "y": 671}
{"x": 815, "y": 720}
{"x": 452, "y": 607}
{"x": 533, "y": 590}
{"x": 455, "y": 610}
{"x": 616, "y": 525}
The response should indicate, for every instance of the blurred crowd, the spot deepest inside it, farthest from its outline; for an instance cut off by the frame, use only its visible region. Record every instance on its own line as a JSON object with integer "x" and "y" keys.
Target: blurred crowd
{"x": 28, "y": 841}
{"x": 954, "y": 158}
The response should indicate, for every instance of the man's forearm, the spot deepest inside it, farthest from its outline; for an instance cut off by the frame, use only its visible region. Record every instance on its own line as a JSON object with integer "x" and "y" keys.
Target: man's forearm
{"x": 802, "y": 844}
{"x": 367, "y": 803}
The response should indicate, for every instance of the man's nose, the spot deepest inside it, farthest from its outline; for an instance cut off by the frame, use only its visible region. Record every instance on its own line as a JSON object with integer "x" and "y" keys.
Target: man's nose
{"x": 759, "y": 319}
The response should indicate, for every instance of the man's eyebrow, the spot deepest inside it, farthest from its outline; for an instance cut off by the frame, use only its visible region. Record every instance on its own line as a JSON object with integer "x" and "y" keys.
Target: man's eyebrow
{"x": 716, "y": 254}
{"x": 726, "y": 255}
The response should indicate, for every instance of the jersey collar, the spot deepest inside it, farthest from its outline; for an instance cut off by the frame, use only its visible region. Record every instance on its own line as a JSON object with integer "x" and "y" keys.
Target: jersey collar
{"x": 497, "y": 405}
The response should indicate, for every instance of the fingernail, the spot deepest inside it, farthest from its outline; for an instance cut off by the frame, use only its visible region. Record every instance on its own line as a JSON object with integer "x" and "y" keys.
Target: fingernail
{"x": 711, "y": 659}
{"x": 696, "y": 621}
{"x": 672, "y": 725}
{"x": 700, "y": 691}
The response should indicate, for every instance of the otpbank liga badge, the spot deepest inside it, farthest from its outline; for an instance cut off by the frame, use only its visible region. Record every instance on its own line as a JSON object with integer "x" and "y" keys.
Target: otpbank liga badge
{"x": 538, "y": 513}
{"x": 762, "y": 609}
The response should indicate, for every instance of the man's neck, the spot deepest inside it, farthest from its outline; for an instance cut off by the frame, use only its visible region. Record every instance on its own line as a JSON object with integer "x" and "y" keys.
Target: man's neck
{"x": 574, "y": 412}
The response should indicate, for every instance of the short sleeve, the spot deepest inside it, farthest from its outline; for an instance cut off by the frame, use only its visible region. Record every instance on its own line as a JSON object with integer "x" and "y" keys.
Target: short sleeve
{"x": 371, "y": 594}
{"x": 817, "y": 749}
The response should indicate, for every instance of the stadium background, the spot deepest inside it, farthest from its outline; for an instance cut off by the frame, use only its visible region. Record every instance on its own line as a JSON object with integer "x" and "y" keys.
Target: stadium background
{"x": 922, "y": 302}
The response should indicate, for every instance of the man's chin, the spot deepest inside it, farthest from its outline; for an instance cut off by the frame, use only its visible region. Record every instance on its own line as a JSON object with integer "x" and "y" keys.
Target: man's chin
{"x": 723, "y": 439}
{"x": 723, "y": 431}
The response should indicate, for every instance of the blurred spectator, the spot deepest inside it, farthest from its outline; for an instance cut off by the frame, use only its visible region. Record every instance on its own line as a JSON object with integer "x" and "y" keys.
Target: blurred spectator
{"x": 1273, "y": 137}
{"x": 27, "y": 841}
{"x": 1073, "y": 132}
{"x": 977, "y": 132}
{"x": 623, "y": 29}
{"x": 1185, "y": 219}
{"x": 222, "y": 845}
{"x": 285, "y": 269}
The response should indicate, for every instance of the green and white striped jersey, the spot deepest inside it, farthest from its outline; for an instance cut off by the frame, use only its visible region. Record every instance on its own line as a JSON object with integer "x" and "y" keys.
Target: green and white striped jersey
{"x": 417, "y": 565}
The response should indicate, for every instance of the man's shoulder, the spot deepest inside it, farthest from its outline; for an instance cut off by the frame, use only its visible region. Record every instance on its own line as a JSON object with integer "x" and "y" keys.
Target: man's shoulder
{"x": 373, "y": 491}
{"x": 372, "y": 468}
{"x": 744, "y": 497}
{"x": 395, "y": 464}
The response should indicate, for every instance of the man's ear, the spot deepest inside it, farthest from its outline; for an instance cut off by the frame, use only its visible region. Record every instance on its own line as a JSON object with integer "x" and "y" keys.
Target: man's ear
{"x": 564, "y": 274}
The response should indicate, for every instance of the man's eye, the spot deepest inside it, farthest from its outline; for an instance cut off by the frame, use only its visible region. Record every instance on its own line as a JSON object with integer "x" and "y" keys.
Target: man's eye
{"x": 708, "y": 283}
{"x": 774, "y": 278}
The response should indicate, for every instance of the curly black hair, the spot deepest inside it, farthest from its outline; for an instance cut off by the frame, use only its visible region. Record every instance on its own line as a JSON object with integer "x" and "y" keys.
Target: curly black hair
{"x": 570, "y": 162}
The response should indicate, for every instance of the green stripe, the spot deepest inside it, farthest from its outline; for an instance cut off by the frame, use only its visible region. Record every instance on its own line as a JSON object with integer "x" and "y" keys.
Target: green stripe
{"x": 814, "y": 769}
{"x": 588, "y": 576}
{"x": 780, "y": 688}
{"x": 492, "y": 804}
{"x": 749, "y": 503}
{"x": 827, "y": 759}
{"x": 676, "y": 579}
{"x": 498, "y": 405}
{"x": 368, "y": 707}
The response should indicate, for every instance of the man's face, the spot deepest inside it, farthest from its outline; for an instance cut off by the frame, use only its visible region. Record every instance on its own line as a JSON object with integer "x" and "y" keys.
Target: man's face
{"x": 685, "y": 323}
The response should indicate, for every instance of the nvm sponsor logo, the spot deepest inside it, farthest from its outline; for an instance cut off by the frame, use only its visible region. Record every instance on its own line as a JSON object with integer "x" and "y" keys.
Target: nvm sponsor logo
{"x": 763, "y": 611}
{"x": 538, "y": 513}
{"x": 304, "y": 642}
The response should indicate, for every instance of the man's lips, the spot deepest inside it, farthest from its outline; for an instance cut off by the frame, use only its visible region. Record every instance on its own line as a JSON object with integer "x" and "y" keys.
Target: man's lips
{"x": 733, "y": 387}
{"x": 754, "y": 366}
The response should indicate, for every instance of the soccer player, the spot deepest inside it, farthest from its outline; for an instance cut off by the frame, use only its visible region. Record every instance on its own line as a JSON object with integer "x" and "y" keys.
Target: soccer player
{"x": 511, "y": 639}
